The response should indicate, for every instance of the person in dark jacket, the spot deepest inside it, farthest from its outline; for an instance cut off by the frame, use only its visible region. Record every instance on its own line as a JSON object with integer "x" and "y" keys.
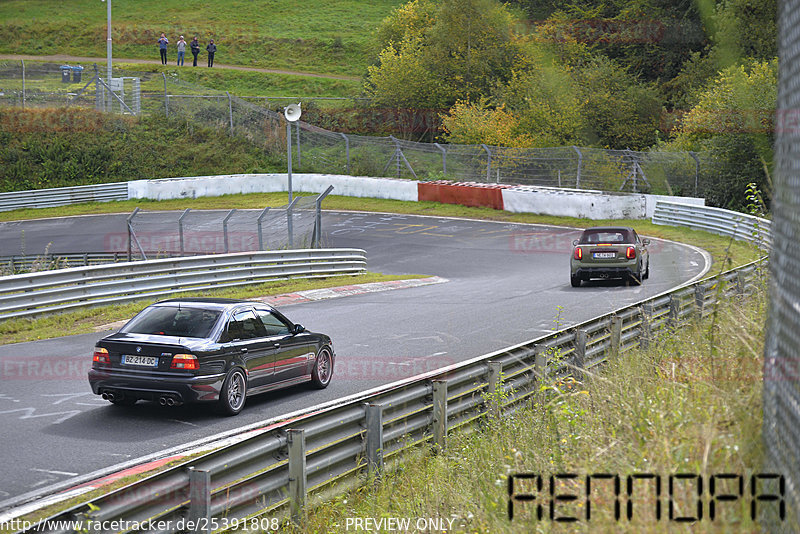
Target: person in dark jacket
{"x": 211, "y": 49}
{"x": 195, "y": 47}
{"x": 162, "y": 47}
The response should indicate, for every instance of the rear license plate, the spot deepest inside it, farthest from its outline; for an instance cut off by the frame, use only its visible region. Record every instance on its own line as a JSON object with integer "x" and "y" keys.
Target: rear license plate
{"x": 604, "y": 255}
{"x": 131, "y": 359}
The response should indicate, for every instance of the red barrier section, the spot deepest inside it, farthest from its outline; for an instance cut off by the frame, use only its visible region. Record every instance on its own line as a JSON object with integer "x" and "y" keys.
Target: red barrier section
{"x": 463, "y": 193}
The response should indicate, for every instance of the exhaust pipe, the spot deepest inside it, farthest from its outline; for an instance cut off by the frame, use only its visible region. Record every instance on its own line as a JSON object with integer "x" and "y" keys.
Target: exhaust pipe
{"x": 170, "y": 401}
{"x": 107, "y": 395}
{"x": 163, "y": 400}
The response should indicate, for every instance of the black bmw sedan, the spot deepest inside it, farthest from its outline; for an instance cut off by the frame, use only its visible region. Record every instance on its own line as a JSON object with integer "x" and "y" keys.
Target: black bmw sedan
{"x": 207, "y": 350}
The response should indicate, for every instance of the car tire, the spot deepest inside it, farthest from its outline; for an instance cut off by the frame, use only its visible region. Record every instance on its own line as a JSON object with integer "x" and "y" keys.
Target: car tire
{"x": 323, "y": 369}
{"x": 575, "y": 280}
{"x": 233, "y": 393}
{"x": 646, "y": 274}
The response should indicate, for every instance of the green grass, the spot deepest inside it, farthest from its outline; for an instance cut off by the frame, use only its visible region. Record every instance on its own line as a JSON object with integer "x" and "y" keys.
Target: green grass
{"x": 691, "y": 404}
{"x": 88, "y": 319}
{"x": 315, "y": 36}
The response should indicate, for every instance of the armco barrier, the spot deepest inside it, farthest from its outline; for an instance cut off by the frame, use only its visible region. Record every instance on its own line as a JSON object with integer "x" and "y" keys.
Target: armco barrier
{"x": 715, "y": 220}
{"x": 63, "y": 196}
{"x": 277, "y": 469}
{"x": 26, "y": 295}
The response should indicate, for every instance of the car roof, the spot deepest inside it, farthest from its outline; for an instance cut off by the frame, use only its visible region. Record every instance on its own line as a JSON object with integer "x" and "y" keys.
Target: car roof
{"x": 609, "y": 229}
{"x": 211, "y": 303}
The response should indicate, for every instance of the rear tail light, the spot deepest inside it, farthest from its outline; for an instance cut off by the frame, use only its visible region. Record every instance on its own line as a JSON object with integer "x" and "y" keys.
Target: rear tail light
{"x": 100, "y": 356}
{"x": 578, "y": 253}
{"x": 630, "y": 253}
{"x": 185, "y": 361}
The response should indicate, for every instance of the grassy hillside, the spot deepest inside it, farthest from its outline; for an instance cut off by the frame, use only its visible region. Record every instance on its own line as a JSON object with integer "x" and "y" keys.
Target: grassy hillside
{"x": 63, "y": 147}
{"x": 318, "y": 36}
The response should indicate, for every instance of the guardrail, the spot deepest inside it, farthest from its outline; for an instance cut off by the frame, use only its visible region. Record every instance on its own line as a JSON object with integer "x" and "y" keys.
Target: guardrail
{"x": 276, "y": 470}
{"x": 26, "y": 295}
{"x": 715, "y": 220}
{"x": 50, "y": 261}
{"x": 63, "y": 196}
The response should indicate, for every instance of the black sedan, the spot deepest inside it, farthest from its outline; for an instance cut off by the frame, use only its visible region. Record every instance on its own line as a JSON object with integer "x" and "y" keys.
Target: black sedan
{"x": 207, "y": 350}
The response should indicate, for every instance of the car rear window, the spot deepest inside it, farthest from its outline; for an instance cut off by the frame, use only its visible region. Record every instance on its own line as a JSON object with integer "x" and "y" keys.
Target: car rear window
{"x": 173, "y": 321}
{"x": 606, "y": 236}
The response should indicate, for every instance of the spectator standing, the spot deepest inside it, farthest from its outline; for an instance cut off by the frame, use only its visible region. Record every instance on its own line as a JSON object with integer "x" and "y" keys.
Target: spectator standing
{"x": 211, "y": 49}
{"x": 181, "y": 51}
{"x": 195, "y": 46}
{"x": 162, "y": 46}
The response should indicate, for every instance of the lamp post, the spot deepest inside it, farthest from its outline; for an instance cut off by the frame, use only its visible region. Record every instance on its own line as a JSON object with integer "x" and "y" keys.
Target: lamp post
{"x": 108, "y": 49}
{"x": 292, "y": 113}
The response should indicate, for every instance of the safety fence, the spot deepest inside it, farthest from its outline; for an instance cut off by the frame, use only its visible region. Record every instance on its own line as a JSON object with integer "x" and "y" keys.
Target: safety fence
{"x": 283, "y": 466}
{"x": 715, "y": 220}
{"x": 63, "y": 196}
{"x": 40, "y": 293}
{"x": 318, "y": 150}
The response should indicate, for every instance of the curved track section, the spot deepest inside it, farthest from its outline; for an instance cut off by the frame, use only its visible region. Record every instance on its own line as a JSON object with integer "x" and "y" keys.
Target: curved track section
{"x": 508, "y": 283}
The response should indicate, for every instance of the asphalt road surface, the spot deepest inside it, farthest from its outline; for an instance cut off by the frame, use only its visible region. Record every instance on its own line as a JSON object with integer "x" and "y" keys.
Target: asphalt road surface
{"x": 507, "y": 283}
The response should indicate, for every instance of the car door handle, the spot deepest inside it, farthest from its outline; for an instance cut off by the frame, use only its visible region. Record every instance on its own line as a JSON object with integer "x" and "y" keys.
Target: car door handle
{"x": 243, "y": 349}
{"x": 276, "y": 345}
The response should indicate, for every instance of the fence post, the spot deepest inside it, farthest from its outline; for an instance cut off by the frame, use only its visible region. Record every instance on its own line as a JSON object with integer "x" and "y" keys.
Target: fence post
{"x": 225, "y": 228}
{"x": 741, "y": 282}
{"x": 230, "y": 110}
{"x": 616, "y": 335}
{"x": 580, "y": 165}
{"x": 488, "y": 163}
{"x": 180, "y": 229}
{"x": 494, "y": 386}
{"x": 297, "y": 130}
{"x": 130, "y": 232}
{"x": 318, "y": 222}
{"x": 439, "y": 415}
{"x": 540, "y": 362}
{"x": 346, "y": 152}
{"x": 647, "y": 325}
{"x": 297, "y": 472}
{"x": 580, "y": 354}
{"x": 674, "y": 310}
{"x": 199, "y": 500}
{"x": 166, "y": 96}
{"x": 696, "y": 171}
{"x": 260, "y": 233}
{"x": 700, "y": 299}
{"x": 444, "y": 157}
{"x": 23, "y": 83}
{"x": 374, "y": 439}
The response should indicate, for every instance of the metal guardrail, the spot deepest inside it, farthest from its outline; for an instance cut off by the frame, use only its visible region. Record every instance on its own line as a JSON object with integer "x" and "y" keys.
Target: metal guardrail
{"x": 32, "y": 294}
{"x": 276, "y": 470}
{"x": 63, "y": 196}
{"x": 715, "y": 220}
{"x": 49, "y": 262}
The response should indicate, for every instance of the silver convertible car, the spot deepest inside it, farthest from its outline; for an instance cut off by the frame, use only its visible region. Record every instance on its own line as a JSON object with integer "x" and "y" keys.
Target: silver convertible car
{"x": 207, "y": 350}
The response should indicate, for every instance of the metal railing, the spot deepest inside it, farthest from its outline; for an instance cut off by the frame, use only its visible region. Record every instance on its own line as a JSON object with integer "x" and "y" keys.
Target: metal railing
{"x": 278, "y": 469}
{"x": 33, "y": 294}
{"x": 48, "y": 262}
{"x": 63, "y": 196}
{"x": 715, "y": 220}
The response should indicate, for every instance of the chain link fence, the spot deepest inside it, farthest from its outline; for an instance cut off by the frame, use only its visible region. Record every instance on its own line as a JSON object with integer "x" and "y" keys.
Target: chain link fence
{"x": 322, "y": 151}
{"x": 781, "y": 353}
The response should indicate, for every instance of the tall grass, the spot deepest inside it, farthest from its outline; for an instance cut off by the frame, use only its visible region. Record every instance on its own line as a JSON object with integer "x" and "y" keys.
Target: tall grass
{"x": 680, "y": 407}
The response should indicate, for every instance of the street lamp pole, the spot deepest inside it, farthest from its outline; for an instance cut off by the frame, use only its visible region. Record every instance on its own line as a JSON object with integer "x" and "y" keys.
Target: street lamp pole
{"x": 108, "y": 40}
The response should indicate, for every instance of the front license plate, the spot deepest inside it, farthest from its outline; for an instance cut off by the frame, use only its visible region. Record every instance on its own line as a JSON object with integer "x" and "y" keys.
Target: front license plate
{"x": 604, "y": 255}
{"x": 131, "y": 359}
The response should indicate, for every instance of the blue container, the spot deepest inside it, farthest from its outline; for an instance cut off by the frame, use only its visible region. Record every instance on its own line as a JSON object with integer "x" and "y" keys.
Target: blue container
{"x": 65, "y": 70}
{"x": 76, "y": 73}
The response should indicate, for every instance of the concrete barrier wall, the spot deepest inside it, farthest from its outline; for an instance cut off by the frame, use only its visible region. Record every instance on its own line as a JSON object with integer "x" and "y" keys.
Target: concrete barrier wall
{"x": 520, "y": 199}
{"x": 213, "y": 186}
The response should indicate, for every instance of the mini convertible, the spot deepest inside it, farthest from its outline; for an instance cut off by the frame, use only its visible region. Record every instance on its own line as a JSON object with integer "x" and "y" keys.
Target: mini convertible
{"x": 609, "y": 252}
{"x": 207, "y": 350}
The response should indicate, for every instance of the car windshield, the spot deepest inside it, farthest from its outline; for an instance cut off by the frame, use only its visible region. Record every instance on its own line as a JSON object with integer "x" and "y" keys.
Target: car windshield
{"x": 178, "y": 321}
{"x": 605, "y": 236}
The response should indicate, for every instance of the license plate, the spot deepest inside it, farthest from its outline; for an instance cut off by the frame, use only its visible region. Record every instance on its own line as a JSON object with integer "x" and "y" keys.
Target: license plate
{"x": 604, "y": 255}
{"x": 131, "y": 359}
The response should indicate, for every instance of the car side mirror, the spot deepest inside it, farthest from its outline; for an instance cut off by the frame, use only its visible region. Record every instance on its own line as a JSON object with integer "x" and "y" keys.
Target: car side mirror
{"x": 645, "y": 241}
{"x": 298, "y": 329}
{"x": 575, "y": 243}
